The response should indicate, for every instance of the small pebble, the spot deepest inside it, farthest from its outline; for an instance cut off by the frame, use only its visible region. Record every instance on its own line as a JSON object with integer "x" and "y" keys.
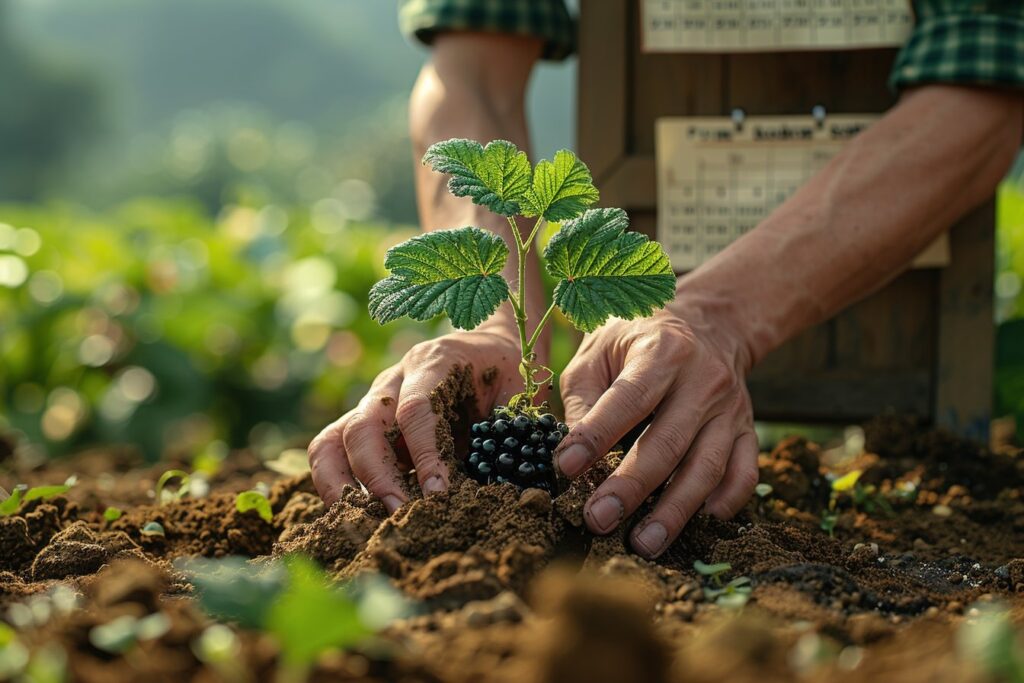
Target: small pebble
{"x": 941, "y": 510}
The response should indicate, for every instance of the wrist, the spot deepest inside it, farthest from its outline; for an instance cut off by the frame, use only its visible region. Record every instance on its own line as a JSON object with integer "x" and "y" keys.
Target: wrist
{"x": 721, "y": 321}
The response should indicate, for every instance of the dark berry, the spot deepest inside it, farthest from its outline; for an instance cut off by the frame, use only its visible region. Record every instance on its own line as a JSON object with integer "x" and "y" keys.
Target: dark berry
{"x": 562, "y": 427}
{"x": 514, "y": 448}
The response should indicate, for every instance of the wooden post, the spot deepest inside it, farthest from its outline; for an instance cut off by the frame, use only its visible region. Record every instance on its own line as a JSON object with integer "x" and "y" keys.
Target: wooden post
{"x": 923, "y": 345}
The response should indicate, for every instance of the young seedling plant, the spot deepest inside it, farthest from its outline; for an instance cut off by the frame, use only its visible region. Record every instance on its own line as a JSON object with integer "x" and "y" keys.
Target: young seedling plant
{"x": 861, "y": 496}
{"x": 602, "y": 270}
{"x": 733, "y": 593}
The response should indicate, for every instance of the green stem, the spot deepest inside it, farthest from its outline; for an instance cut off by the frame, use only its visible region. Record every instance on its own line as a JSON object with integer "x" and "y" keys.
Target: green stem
{"x": 540, "y": 326}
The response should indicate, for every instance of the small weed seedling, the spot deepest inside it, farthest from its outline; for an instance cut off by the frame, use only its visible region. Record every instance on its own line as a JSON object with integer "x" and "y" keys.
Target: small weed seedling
{"x": 164, "y": 496}
{"x": 862, "y": 496}
{"x": 602, "y": 271}
{"x": 23, "y": 494}
{"x": 254, "y": 500}
{"x": 297, "y": 604}
{"x": 734, "y": 593}
{"x": 112, "y": 514}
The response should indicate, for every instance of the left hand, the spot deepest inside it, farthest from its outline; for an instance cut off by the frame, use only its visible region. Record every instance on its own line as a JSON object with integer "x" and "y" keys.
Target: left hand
{"x": 701, "y": 440}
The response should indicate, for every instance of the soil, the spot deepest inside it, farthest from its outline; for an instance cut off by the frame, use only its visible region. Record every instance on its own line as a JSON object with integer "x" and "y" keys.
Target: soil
{"x": 511, "y": 587}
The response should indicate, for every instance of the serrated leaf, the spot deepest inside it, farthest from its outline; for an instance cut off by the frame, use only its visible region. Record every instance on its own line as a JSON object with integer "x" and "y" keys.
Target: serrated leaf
{"x": 606, "y": 271}
{"x": 496, "y": 176}
{"x": 562, "y": 188}
{"x": 456, "y": 272}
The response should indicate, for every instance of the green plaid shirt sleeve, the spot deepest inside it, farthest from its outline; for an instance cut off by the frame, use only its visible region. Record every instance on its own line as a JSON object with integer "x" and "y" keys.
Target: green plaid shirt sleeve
{"x": 974, "y": 42}
{"x": 546, "y": 19}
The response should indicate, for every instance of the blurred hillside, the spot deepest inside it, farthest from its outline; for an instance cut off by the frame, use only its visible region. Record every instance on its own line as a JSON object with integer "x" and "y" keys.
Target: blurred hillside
{"x": 224, "y": 101}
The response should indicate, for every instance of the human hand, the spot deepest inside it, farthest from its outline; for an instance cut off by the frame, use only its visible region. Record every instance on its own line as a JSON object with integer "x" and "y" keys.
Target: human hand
{"x": 354, "y": 447}
{"x": 701, "y": 440}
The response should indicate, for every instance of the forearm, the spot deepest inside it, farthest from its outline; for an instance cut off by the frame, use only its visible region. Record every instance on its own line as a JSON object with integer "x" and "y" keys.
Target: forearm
{"x": 474, "y": 87}
{"x": 860, "y": 221}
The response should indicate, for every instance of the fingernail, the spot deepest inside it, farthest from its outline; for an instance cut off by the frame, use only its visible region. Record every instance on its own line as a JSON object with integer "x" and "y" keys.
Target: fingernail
{"x": 650, "y": 540}
{"x": 605, "y": 513}
{"x": 392, "y": 503}
{"x": 433, "y": 485}
{"x": 572, "y": 460}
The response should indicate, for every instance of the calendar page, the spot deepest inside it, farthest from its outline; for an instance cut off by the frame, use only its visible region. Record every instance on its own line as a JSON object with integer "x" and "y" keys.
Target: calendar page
{"x": 718, "y": 179}
{"x": 773, "y": 25}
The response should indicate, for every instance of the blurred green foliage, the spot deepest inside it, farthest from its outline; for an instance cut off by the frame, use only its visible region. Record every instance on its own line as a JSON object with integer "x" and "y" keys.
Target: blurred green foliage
{"x": 157, "y": 325}
{"x": 1009, "y": 292}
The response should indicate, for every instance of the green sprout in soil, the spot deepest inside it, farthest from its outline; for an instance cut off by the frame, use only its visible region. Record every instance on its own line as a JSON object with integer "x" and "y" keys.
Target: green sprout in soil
{"x": 860, "y": 496}
{"x": 23, "y": 494}
{"x": 112, "y": 514}
{"x": 733, "y": 593}
{"x": 254, "y": 500}
{"x": 153, "y": 529}
{"x": 297, "y": 604}
{"x": 602, "y": 270}
{"x": 164, "y": 480}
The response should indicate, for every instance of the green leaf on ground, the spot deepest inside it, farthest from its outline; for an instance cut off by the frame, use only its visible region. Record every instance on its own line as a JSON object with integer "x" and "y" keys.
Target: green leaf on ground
{"x": 705, "y": 569}
{"x": 312, "y": 615}
{"x": 231, "y": 589}
{"x": 112, "y": 514}
{"x": 254, "y": 500}
{"x": 457, "y": 272}
{"x": 10, "y": 505}
{"x": 496, "y": 176}
{"x": 45, "y": 492}
{"x": 562, "y": 188}
{"x": 605, "y": 271}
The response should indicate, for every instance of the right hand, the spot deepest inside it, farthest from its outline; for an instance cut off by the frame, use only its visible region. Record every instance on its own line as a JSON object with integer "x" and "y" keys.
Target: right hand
{"x": 354, "y": 446}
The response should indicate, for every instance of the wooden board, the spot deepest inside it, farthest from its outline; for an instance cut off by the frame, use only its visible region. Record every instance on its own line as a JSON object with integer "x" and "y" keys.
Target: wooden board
{"x": 923, "y": 345}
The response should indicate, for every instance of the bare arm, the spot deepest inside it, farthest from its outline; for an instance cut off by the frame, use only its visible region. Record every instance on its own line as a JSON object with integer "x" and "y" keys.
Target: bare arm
{"x": 856, "y": 225}
{"x": 860, "y": 222}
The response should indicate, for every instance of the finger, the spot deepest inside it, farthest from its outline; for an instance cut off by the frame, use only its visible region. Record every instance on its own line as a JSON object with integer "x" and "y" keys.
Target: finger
{"x": 418, "y": 423}
{"x": 649, "y": 462}
{"x": 630, "y": 398}
{"x": 372, "y": 458}
{"x": 739, "y": 481}
{"x": 700, "y": 474}
{"x": 328, "y": 462}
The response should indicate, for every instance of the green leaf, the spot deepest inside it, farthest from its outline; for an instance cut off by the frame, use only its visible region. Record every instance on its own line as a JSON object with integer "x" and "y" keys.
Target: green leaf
{"x": 457, "y": 272}
{"x": 254, "y": 500}
{"x": 605, "y": 270}
{"x": 153, "y": 529}
{"x": 496, "y": 176}
{"x": 231, "y": 589}
{"x": 711, "y": 569}
{"x": 46, "y": 492}
{"x": 312, "y": 616}
{"x": 112, "y": 514}
{"x": 11, "y": 504}
{"x": 562, "y": 189}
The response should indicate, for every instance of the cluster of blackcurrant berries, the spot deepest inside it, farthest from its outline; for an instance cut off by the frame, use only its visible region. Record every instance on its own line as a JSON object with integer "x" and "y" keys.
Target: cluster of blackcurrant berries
{"x": 515, "y": 448}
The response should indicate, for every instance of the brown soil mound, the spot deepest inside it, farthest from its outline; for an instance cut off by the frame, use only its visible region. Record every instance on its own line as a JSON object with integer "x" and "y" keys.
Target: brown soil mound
{"x": 512, "y": 587}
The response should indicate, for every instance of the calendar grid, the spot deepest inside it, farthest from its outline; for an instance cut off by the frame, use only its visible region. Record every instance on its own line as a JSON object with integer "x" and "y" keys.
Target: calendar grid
{"x": 766, "y": 25}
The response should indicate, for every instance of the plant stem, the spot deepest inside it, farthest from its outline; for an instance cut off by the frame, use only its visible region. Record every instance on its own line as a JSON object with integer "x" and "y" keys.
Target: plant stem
{"x": 528, "y": 365}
